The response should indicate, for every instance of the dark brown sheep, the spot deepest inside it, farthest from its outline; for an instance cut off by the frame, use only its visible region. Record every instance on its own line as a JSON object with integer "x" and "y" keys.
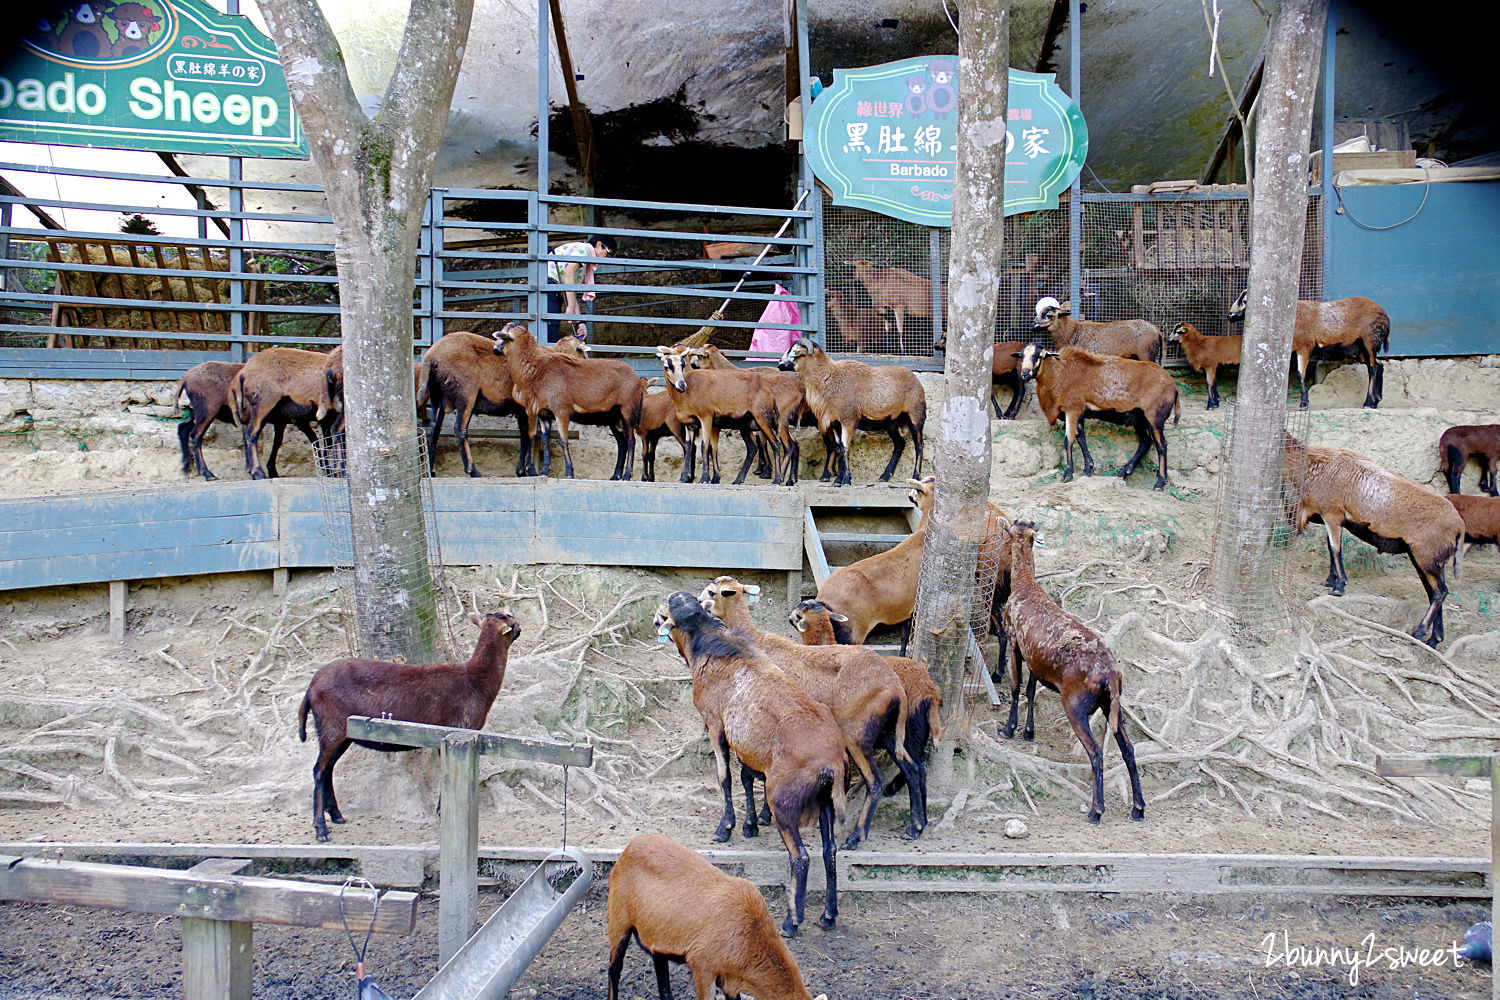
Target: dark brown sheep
{"x": 280, "y": 385}
{"x": 1207, "y": 355}
{"x": 1480, "y": 442}
{"x": 206, "y": 385}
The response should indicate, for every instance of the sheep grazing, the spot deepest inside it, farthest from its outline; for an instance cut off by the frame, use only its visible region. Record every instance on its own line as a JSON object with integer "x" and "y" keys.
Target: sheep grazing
{"x": 1458, "y": 444}
{"x": 1481, "y": 517}
{"x": 1068, "y": 657}
{"x": 846, "y": 396}
{"x": 680, "y": 908}
{"x": 817, "y": 624}
{"x": 280, "y": 385}
{"x": 1344, "y": 489}
{"x": 1352, "y": 329}
{"x": 902, "y": 292}
{"x": 206, "y": 385}
{"x": 1077, "y": 384}
{"x": 752, "y": 707}
{"x": 590, "y": 391}
{"x": 439, "y": 694}
{"x": 861, "y": 327}
{"x": 866, "y": 697}
{"x": 1125, "y": 338}
{"x": 1207, "y": 355}
{"x": 707, "y": 401}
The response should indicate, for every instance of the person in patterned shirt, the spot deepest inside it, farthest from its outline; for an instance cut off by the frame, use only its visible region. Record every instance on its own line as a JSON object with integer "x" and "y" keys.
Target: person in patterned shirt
{"x": 574, "y": 272}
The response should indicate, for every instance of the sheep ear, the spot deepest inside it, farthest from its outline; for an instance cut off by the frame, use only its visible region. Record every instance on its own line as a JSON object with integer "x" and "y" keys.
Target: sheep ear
{"x": 753, "y": 591}
{"x": 475, "y": 618}
{"x": 800, "y": 624}
{"x": 835, "y": 616}
{"x": 1015, "y": 354}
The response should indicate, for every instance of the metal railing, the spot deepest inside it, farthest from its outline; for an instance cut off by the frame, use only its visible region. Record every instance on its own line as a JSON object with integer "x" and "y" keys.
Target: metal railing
{"x": 262, "y": 272}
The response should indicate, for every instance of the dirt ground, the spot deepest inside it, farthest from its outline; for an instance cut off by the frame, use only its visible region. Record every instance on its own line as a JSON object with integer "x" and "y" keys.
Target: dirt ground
{"x": 1262, "y": 745}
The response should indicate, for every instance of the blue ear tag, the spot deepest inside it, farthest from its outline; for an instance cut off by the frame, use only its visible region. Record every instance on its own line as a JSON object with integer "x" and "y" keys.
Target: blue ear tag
{"x": 752, "y": 594}
{"x": 664, "y": 634}
{"x": 1041, "y": 542}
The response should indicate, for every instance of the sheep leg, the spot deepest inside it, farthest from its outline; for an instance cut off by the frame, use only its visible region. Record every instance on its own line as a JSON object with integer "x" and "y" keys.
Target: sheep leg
{"x": 799, "y": 861}
{"x": 1017, "y": 394}
{"x": 461, "y": 420}
{"x": 1302, "y": 362}
{"x": 829, "y": 450}
{"x": 617, "y": 950}
{"x": 250, "y": 432}
{"x": 1453, "y": 469}
{"x": 1015, "y": 688}
{"x": 567, "y": 450}
{"x": 830, "y": 864}
{"x": 1486, "y": 472}
{"x": 912, "y": 773}
{"x": 720, "y": 744}
{"x": 916, "y": 440}
{"x": 278, "y": 429}
{"x": 1127, "y": 751}
{"x": 1083, "y": 445}
{"x": 1078, "y": 717}
{"x": 752, "y": 453}
{"x": 432, "y": 435}
{"x": 763, "y": 468}
{"x": 898, "y": 445}
{"x": 1029, "y": 733}
{"x": 751, "y": 827}
{"x": 663, "y": 970}
{"x": 843, "y": 477}
{"x": 1211, "y": 376}
{"x": 323, "y": 797}
{"x": 1143, "y": 440}
{"x": 1161, "y": 457}
{"x": 874, "y": 786}
{"x": 1337, "y": 578}
{"x": 1436, "y": 586}
{"x": 622, "y": 446}
{"x": 710, "y": 470}
{"x": 191, "y": 437}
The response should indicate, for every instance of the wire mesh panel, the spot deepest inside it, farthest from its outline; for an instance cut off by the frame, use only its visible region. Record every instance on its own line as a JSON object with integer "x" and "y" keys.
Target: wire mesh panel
{"x": 394, "y": 623}
{"x": 937, "y": 636}
{"x": 1255, "y": 523}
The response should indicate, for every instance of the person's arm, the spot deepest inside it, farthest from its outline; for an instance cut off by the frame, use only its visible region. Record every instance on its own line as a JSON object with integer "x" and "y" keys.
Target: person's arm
{"x": 570, "y": 277}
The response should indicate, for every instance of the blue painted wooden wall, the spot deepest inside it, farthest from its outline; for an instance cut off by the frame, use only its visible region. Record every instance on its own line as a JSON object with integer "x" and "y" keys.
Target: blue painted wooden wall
{"x": 230, "y": 527}
{"x": 1436, "y": 271}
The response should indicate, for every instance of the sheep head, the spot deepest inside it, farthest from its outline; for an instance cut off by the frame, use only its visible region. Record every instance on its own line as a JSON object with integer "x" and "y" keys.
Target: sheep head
{"x": 801, "y": 617}
{"x": 1032, "y": 356}
{"x": 800, "y": 349}
{"x": 508, "y": 335}
{"x": 675, "y": 362}
{"x": 1237, "y": 310}
{"x": 725, "y": 588}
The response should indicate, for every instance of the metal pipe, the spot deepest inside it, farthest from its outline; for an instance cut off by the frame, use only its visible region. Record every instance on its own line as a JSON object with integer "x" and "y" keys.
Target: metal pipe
{"x": 1075, "y": 201}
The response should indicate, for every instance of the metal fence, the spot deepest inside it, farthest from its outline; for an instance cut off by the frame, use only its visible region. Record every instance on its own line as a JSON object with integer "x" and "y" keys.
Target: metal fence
{"x": 246, "y": 264}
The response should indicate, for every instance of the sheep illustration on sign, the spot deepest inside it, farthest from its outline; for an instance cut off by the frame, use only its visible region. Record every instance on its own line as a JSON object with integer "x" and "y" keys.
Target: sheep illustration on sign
{"x": 884, "y": 138}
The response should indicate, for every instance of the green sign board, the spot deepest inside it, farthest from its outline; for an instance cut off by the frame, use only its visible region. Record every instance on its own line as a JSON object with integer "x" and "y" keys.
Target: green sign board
{"x": 161, "y": 75}
{"x": 884, "y": 138}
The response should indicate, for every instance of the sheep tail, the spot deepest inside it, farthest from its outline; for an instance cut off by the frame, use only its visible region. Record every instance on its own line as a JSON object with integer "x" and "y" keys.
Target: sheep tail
{"x": 237, "y": 401}
{"x": 934, "y": 720}
{"x": 1382, "y": 329}
{"x": 1176, "y": 408}
{"x": 302, "y": 717}
{"x": 1458, "y": 554}
{"x": 177, "y": 397}
{"x": 1112, "y": 683}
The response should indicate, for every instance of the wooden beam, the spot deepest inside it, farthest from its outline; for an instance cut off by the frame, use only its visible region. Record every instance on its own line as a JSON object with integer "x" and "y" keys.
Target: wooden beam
{"x": 181, "y": 894}
{"x": 417, "y": 734}
{"x": 46, "y": 220}
{"x": 218, "y": 959}
{"x": 583, "y": 128}
{"x": 1230, "y": 137}
{"x": 458, "y": 844}
{"x": 117, "y": 610}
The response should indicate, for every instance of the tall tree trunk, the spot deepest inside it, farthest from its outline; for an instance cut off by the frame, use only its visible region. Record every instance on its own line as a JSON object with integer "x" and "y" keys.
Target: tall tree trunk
{"x": 1278, "y": 214}
{"x": 376, "y": 176}
{"x": 963, "y": 448}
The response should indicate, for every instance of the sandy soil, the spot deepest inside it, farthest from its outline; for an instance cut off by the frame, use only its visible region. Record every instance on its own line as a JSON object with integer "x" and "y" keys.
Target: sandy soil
{"x": 187, "y": 733}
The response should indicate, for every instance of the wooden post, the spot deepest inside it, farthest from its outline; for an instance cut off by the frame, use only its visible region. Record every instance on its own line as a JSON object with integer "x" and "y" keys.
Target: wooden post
{"x": 458, "y": 854}
{"x": 217, "y": 959}
{"x": 117, "y": 610}
{"x": 1478, "y": 766}
{"x": 279, "y": 580}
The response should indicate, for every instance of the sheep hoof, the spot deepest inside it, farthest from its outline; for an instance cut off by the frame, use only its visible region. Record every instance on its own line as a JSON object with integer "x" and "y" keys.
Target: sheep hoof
{"x": 788, "y": 929}
{"x": 1161, "y": 484}
{"x": 912, "y": 832}
{"x": 850, "y": 842}
{"x": 1338, "y": 590}
{"x": 1067, "y": 477}
{"x": 750, "y": 830}
{"x": 1029, "y": 734}
{"x": 826, "y": 922}
{"x": 1094, "y": 816}
{"x": 1138, "y": 813}
{"x": 322, "y": 836}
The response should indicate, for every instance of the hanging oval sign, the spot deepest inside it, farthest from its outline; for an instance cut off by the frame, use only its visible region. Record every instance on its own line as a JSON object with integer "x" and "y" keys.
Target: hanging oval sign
{"x": 884, "y": 138}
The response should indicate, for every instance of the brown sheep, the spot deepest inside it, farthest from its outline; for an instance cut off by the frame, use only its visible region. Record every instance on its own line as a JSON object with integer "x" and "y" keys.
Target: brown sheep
{"x": 464, "y": 376}
{"x": 544, "y": 381}
{"x": 439, "y": 694}
{"x": 752, "y": 707}
{"x": 658, "y": 420}
{"x": 1355, "y": 328}
{"x": 816, "y": 623}
{"x": 1125, "y": 338}
{"x": 846, "y": 396}
{"x": 864, "y": 694}
{"x": 1004, "y": 371}
{"x": 206, "y": 385}
{"x": 1207, "y": 355}
{"x": 707, "y": 400}
{"x": 680, "y": 908}
{"x": 1344, "y": 489}
{"x": 1077, "y": 384}
{"x": 788, "y": 394}
{"x": 864, "y": 329}
{"x": 1068, "y": 657}
{"x": 881, "y": 589}
{"x": 903, "y": 292}
{"x": 1478, "y": 441}
{"x": 280, "y": 385}
{"x": 1481, "y": 517}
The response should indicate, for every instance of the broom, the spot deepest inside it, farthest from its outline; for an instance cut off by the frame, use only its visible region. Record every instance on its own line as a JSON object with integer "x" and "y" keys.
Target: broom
{"x": 701, "y": 338}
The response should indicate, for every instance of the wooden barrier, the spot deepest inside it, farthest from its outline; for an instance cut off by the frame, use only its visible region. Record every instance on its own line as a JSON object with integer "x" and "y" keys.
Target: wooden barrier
{"x": 218, "y": 908}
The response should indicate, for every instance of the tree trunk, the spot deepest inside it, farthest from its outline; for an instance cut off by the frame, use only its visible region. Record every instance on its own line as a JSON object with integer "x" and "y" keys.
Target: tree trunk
{"x": 376, "y": 176}
{"x": 941, "y": 621}
{"x": 1278, "y": 214}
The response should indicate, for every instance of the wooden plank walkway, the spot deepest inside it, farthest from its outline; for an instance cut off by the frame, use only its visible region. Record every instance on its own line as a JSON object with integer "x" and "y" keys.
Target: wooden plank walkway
{"x": 207, "y": 528}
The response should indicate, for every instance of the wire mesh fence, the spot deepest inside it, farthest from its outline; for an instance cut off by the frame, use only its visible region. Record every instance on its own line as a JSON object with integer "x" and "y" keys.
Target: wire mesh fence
{"x": 1255, "y": 510}
{"x": 399, "y": 627}
{"x": 952, "y": 626}
{"x": 1167, "y": 256}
